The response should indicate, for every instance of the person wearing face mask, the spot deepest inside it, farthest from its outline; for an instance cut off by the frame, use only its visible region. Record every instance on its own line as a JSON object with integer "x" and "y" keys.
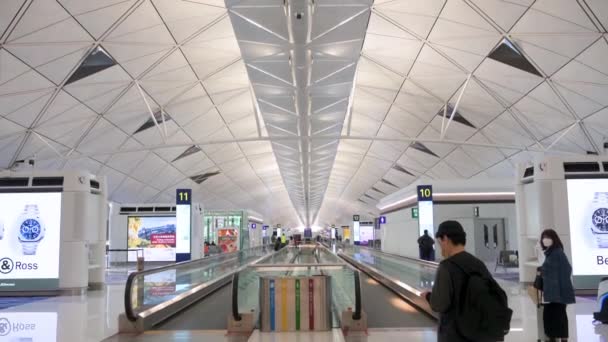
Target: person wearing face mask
{"x": 556, "y": 273}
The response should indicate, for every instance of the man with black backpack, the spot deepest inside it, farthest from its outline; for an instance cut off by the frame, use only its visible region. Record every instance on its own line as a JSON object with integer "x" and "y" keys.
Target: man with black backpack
{"x": 425, "y": 245}
{"x": 472, "y": 306}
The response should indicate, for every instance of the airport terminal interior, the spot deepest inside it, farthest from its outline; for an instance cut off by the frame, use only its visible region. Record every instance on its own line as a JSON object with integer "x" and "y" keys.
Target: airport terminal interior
{"x": 262, "y": 170}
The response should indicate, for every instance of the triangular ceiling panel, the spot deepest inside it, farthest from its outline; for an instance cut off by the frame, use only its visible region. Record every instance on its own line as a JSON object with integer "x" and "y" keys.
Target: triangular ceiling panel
{"x": 23, "y": 108}
{"x": 97, "y": 16}
{"x": 413, "y": 15}
{"x": 39, "y": 15}
{"x": 143, "y": 26}
{"x": 185, "y": 18}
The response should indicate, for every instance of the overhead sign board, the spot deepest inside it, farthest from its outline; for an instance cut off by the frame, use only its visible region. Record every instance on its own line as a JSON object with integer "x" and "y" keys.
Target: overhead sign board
{"x": 425, "y": 209}
{"x": 356, "y": 218}
{"x": 183, "y": 215}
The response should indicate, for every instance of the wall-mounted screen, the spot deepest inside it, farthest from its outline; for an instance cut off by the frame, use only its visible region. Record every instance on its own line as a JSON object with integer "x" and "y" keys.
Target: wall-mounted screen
{"x": 588, "y": 212}
{"x": 29, "y": 241}
{"x": 366, "y": 233}
{"x": 155, "y": 235}
{"x": 308, "y": 233}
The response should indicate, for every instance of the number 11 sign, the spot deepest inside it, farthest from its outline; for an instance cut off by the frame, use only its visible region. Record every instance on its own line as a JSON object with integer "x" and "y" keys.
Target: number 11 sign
{"x": 183, "y": 218}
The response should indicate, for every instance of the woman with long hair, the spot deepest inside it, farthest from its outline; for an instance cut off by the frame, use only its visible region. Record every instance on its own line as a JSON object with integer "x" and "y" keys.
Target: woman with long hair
{"x": 558, "y": 292}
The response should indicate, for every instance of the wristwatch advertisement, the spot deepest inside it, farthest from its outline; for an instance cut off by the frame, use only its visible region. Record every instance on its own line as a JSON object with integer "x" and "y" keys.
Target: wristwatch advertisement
{"x": 599, "y": 219}
{"x": 588, "y": 219}
{"x": 29, "y": 241}
{"x": 31, "y": 229}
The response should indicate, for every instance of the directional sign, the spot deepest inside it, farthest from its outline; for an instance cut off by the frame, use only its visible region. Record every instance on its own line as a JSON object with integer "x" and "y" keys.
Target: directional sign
{"x": 356, "y": 218}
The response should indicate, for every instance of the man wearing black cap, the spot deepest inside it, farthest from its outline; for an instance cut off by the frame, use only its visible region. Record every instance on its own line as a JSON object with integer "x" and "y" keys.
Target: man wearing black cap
{"x": 453, "y": 274}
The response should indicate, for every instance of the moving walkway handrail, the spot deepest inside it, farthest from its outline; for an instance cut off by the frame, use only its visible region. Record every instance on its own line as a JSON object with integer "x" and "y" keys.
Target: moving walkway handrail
{"x": 416, "y": 260}
{"x": 235, "y": 297}
{"x": 130, "y": 314}
{"x": 357, "y": 313}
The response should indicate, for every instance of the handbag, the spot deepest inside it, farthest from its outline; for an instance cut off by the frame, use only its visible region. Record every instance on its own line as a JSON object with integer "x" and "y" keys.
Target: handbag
{"x": 538, "y": 281}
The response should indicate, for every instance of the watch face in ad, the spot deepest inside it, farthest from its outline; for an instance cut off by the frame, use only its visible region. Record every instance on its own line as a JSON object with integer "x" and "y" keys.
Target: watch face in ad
{"x": 588, "y": 216}
{"x": 29, "y": 239}
{"x": 155, "y": 235}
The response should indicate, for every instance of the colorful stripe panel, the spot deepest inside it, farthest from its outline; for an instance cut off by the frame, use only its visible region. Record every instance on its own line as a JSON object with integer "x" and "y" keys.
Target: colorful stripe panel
{"x": 272, "y": 325}
{"x": 297, "y": 304}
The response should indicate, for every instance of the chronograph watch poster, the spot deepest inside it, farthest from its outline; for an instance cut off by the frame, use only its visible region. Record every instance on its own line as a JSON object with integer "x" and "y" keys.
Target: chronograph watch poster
{"x": 588, "y": 215}
{"x": 29, "y": 240}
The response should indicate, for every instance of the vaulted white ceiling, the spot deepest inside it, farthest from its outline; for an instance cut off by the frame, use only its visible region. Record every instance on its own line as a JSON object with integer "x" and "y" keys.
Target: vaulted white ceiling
{"x": 302, "y": 120}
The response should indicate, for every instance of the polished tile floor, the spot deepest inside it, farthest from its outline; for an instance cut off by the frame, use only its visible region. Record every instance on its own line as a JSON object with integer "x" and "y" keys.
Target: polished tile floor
{"x": 94, "y": 318}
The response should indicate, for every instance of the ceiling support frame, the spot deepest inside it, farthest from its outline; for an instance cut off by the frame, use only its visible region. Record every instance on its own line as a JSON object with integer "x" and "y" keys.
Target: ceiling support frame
{"x": 445, "y": 129}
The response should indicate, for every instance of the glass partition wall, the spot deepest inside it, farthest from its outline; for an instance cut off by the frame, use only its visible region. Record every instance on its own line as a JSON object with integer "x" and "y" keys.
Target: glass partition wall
{"x": 227, "y": 229}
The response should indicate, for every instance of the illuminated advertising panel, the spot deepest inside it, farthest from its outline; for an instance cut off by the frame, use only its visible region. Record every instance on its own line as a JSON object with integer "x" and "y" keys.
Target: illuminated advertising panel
{"x": 29, "y": 241}
{"x": 154, "y": 234}
{"x": 588, "y": 216}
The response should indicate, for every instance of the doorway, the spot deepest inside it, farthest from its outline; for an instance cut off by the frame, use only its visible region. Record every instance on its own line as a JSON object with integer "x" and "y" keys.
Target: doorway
{"x": 489, "y": 239}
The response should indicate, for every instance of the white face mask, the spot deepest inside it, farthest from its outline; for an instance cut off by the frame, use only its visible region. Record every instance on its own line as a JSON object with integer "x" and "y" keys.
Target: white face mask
{"x": 547, "y": 242}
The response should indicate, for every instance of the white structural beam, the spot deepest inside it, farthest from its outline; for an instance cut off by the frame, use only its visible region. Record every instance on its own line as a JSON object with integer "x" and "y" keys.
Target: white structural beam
{"x": 464, "y": 88}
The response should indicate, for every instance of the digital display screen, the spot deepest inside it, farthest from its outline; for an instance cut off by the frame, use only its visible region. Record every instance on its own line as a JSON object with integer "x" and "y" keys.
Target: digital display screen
{"x": 156, "y": 235}
{"x": 588, "y": 217}
{"x": 366, "y": 233}
{"x": 29, "y": 240}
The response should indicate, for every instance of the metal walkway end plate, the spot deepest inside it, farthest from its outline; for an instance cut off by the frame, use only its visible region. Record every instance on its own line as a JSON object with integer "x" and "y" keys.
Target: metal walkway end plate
{"x": 352, "y": 326}
{"x": 245, "y": 325}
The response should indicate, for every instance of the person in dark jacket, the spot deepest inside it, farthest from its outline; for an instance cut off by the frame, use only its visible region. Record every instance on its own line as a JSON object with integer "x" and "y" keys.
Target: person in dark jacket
{"x": 425, "y": 245}
{"x": 449, "y": 283}
{"x": 558, "y": 291}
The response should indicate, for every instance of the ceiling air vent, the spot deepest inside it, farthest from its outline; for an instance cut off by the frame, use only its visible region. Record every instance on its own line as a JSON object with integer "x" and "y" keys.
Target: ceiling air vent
{"x": 158, "y": 116}
{"x": 420, "y": 147}
{"x": 95, "y": 62}
{"x": 13, "y": 182}
{"x": 94, "y": 184}
{"x": 162, "y": 209}
{"x": 581, "y": 167}
{"x": 402, "y": 169}
{"x": 457, "y": 116}
{"x": 145, "y": 209}
{"x": 378, "y": 190}
{"x": 389, "y": 183}
{"x": 508, "y": 54}
{"x": 47, "y": 181}
{"x": 203, "y": 177}
{"x": 529, "y": 172}
{"x": 127, "y": 209}
{"x": 191, "y": 150}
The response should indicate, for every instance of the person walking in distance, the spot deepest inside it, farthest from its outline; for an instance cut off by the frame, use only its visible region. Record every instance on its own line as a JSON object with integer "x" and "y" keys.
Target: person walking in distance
{"x": 556, "y": 274}
{"x": 471, "y": 305}
{"x": 425, "y": 245}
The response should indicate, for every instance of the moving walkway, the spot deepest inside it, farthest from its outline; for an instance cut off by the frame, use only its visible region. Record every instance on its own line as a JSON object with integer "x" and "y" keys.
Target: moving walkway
{"x": 195, "y": 295}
